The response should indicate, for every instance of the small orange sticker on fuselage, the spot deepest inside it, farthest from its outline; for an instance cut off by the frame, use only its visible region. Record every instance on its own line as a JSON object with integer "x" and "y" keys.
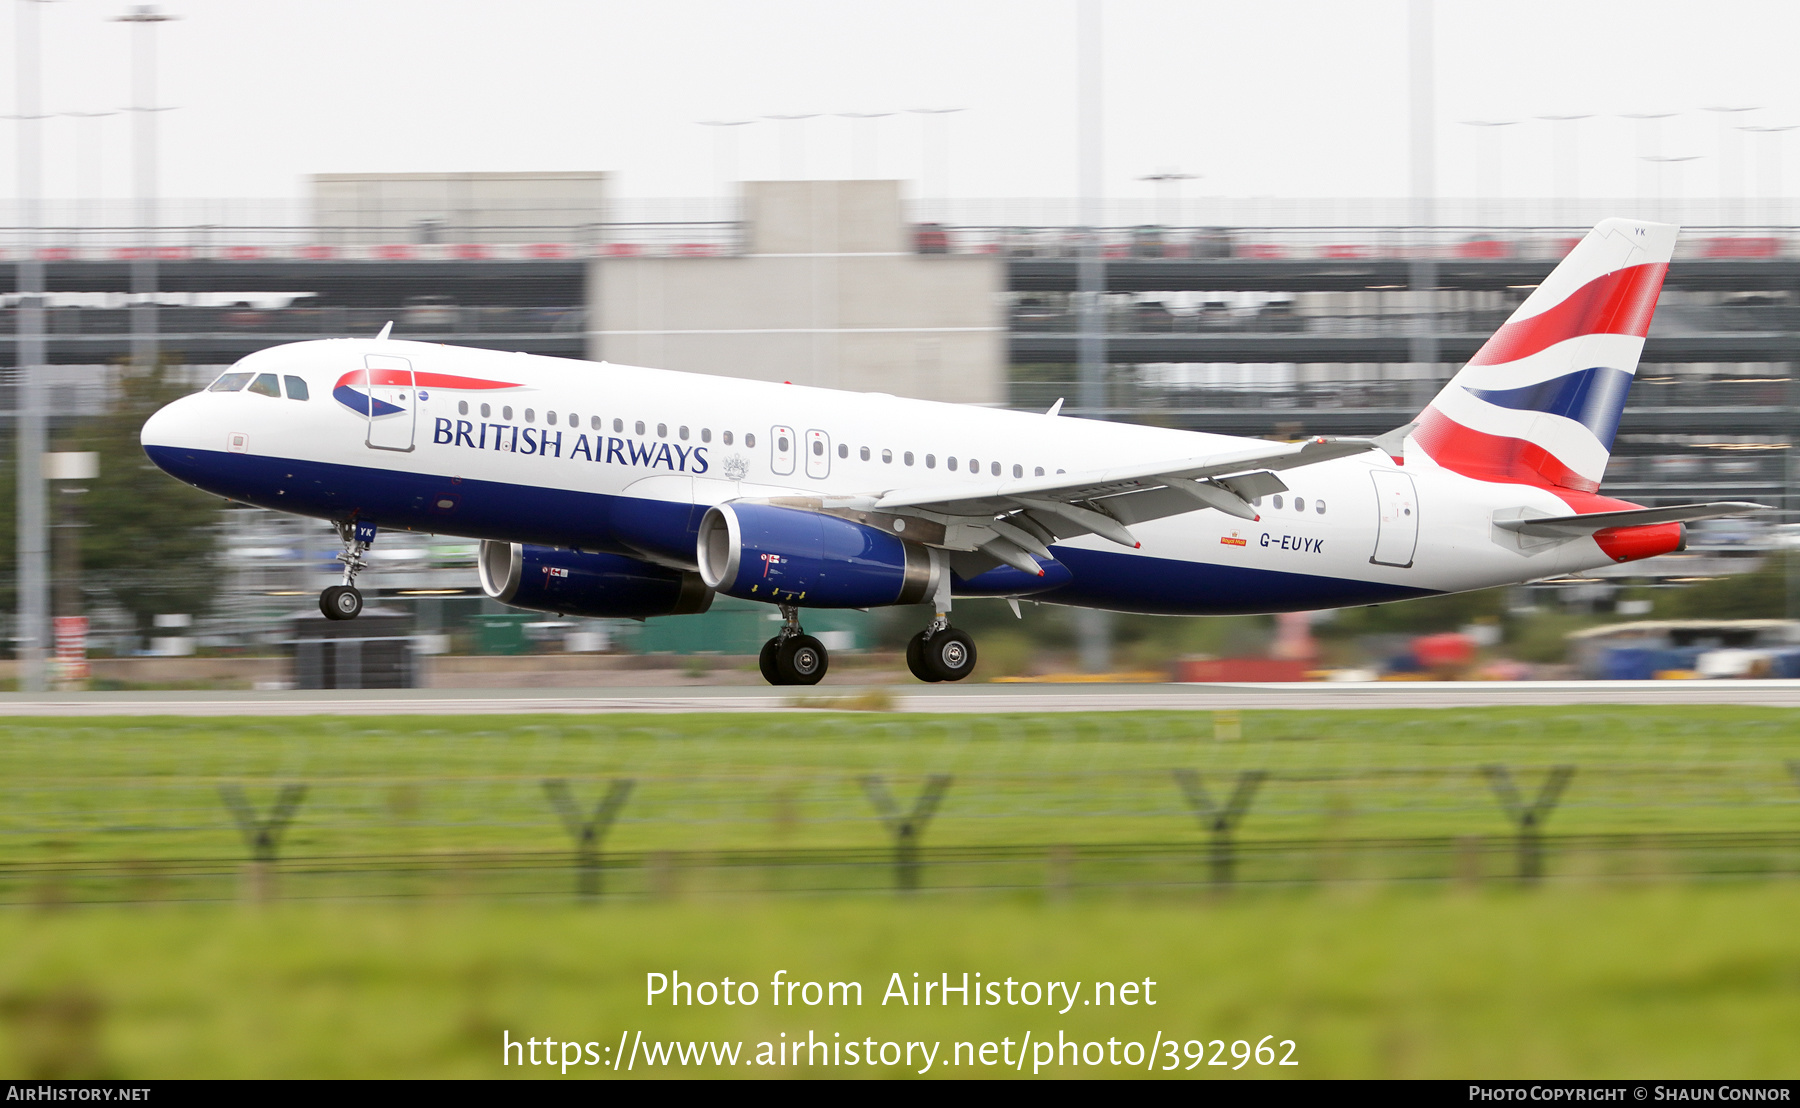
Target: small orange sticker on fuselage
{"x": 1231, "y": 540}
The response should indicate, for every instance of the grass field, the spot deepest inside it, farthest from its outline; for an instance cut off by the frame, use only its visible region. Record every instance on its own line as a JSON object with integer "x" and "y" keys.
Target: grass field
{"x": 1636, "y": 982}
{"x": 421, "y": 903}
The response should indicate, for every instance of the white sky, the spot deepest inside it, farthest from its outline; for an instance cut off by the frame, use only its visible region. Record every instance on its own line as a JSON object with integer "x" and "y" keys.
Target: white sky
{"x": 1265, "y": 98}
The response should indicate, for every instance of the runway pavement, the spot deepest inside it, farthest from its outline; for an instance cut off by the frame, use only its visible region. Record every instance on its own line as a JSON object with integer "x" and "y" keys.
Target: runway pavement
{"x": 906, "y": 698}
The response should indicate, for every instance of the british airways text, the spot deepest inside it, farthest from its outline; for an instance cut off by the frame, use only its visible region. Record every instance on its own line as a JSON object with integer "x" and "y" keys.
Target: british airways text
{"x": 551, "y": 444}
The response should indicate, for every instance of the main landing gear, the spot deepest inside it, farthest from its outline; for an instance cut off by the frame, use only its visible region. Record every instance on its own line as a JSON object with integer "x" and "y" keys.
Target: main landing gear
{"x": 941, "y": 652}
{"x": 793, "y": 657}
{"x": 345, "y": 601}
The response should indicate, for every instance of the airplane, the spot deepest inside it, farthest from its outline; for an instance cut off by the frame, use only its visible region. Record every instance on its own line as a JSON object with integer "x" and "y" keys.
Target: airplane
{"x": 616, "y": 491}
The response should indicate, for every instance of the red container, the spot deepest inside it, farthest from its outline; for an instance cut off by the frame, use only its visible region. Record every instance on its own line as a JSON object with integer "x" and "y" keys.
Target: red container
{"x": 1442, "y": 651}
{"x": 1241, "y": 669}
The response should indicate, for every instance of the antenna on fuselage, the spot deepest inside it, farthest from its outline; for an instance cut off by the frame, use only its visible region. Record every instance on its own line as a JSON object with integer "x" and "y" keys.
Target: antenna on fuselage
{"x": 1056, "y": 408}
{"x": 384, "y": 332}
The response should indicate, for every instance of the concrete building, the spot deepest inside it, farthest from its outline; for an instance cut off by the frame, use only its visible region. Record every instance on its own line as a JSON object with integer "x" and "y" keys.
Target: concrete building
{"x": 828, "y": 289}
{"x": 457, "y": 207}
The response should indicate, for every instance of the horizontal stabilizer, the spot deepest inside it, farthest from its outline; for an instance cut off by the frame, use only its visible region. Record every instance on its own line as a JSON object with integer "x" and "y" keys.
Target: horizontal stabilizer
{"x": 1571, "y": 527}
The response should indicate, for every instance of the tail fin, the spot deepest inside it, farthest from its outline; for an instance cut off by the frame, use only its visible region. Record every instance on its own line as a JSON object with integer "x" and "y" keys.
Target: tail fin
{"x": 1539, "y": 403}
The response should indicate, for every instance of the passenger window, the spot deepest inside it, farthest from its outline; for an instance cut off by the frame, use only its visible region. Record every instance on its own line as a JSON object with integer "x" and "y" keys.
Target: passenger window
{"x": 994, "y": 469}
{"x": 949, "y": 463}
{"x": 1299, "y": 504}
{"x": 706, "y": 434}
{"x": 618, "y": 426}
{"x": 506, "y": 412}
{"x": 574, "y": 420}
{"x": 749, "y": 440}
{"x": 1319, "y": 506}
{"x": 683, "y": 433}
{"x": 1277, "y": 502}
{"x": 887, "y": 457}
{"x": 725, "y": 437}
{"x": 640, "y": 426}
{"x": 486, "y": 411}
{"x": 230, "y": 382}
{"x": 662, "y": 430}
{"x": 296, "y": 389}
{"x": 1018, "y": 471}
{"x": 908, "y": 457}
{"x": 1038, "y": 472}
{"x": 781, "y": 444}
{"x": 462, "y": 406}
{"x": 844, "y": 452}
{"x": 818, "y": 448}
{"x": 931, "y": 461}
{"x": 865, "y": 453}
{"x": 594, "y": 422}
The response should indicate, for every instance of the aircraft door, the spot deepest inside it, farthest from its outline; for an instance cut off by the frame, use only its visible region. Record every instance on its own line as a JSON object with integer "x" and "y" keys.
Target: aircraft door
{"x": 818, "y": 455}
{"x": 393, "y": 404}
{"x": 781, "y": 451}
{"x": 1397, "y": 506}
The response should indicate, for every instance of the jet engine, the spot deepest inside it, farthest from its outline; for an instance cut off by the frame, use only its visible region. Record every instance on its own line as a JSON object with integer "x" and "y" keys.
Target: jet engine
{"x": 575, "y": 583}
{"x": 794, "y": 556}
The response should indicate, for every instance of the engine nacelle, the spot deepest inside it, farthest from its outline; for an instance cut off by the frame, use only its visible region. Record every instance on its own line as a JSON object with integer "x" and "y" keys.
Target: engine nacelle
{"x": 793, "y": 556}
{"x": 546, "y": 579}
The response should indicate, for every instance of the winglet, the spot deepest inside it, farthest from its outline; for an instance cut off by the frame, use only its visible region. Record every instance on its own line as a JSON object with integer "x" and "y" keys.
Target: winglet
{"x": 385, "y": 331}
{"x": 1056, "y": 408}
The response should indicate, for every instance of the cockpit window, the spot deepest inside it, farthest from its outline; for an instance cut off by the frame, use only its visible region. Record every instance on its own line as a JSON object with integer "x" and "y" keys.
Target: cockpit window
{"x": 296, "y": 388}
{"x": 266, "y": 385}
{"x": 231, "y": 382}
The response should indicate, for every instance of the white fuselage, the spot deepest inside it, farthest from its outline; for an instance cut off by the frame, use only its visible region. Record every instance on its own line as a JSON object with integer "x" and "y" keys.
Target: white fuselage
{"x": 594, "y": 456}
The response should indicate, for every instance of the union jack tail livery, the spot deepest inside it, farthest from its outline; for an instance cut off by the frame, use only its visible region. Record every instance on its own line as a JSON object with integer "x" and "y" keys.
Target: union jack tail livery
{"x": 1539, "y": 403}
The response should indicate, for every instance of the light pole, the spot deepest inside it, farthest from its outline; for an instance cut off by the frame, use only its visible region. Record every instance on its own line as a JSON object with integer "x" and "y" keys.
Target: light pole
{"x": 87, "y": 149}
{"x": 1488, "y": 135}
{"x": 1168, "y": 183}
{"x": 1731, "y": 169}
{"x": 1565, "y": 172}
{"x": 1771, "y": 169}
{"x": 33, "y": 537}
{"x": 1661, "y": 160}
{"x": 1422, "y": 127}
{"x": 864, "y": 121}
{"x": 795, "y": 169}
{"x": 144, "y": 18}
{"x": 725, "y": 151}
{"x": 940, "y": 131}
{"x": 1649, "y": 145}
{"x": 1093, "y": 627}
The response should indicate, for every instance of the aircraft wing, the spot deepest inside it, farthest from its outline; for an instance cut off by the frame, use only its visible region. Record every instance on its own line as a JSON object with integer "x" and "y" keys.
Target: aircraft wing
{"x": 1015, "y": 521}
{"x": 1574, "y": 527}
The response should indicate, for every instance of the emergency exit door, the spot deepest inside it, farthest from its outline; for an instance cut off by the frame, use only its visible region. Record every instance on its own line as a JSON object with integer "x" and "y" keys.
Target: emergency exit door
{"x": 1397, "y": 505}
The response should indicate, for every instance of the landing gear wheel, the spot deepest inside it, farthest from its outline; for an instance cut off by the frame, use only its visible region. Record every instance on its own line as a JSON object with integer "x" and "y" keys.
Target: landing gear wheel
{"x": 766, "y": 662}
{"x": 801, "y": 660}
{"x": 341, "y": 602}
{"x": 950, "y": 654}
{"x": 915, "y": 659}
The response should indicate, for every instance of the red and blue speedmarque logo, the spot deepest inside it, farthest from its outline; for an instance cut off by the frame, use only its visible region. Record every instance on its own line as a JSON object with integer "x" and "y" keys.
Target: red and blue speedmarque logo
{"x": 357, "y": 389}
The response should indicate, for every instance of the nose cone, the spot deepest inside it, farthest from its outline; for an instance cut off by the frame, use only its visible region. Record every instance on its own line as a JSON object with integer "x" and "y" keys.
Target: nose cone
{"x": 172, "y": 436}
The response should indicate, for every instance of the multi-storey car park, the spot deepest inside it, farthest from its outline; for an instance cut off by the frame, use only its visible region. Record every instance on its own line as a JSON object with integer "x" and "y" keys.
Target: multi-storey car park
{"x": 1277, "y": 331}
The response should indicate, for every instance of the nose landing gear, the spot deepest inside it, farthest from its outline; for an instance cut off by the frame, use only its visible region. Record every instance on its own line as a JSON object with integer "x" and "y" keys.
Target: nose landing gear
{"x": 345, "y": 601}
{"x": 793, "y": 657}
